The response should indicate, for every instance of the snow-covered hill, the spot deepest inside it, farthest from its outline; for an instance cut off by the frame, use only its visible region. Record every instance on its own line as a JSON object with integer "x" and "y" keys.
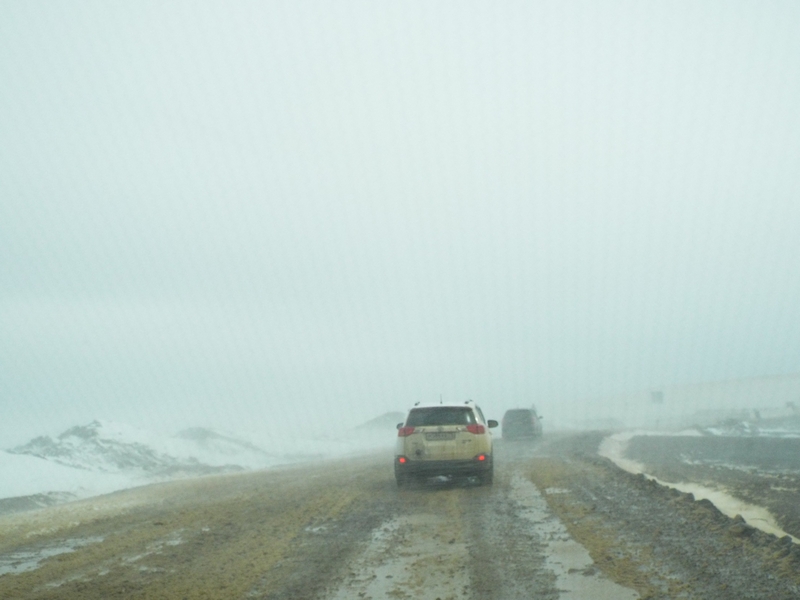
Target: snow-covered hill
{"x": 108, "y": 448}
{"x": 104, "y": 456}
{"x": 114, "y": 448}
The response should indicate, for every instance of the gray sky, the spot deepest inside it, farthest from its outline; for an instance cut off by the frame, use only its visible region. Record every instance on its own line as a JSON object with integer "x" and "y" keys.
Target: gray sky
{"x": 242, "y": 213}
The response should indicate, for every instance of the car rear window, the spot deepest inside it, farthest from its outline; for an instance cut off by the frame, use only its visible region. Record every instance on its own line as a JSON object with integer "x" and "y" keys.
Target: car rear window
{"x": 440, "y": 415}
{"x": 519, "y": 413}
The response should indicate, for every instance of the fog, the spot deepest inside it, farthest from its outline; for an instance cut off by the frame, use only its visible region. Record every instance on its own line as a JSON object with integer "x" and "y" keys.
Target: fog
{"x": 260, "y": 215}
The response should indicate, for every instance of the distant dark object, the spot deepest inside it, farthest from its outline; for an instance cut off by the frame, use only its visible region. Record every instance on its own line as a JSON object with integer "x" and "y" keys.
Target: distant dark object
{"x": 521, "y": 423}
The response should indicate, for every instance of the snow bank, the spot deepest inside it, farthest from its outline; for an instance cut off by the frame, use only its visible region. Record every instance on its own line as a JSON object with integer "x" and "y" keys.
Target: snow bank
{"x": 22, "y": 475}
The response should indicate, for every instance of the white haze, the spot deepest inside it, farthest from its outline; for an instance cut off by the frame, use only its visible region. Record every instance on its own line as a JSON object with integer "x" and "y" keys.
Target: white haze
{"x": 303, "y": 215}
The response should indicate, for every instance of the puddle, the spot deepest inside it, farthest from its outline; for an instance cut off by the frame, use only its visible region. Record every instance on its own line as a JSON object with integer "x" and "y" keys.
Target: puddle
{"x": 614, "y": 447}
{"x": 576, "y": 576}
{"x": 20, "y": 562}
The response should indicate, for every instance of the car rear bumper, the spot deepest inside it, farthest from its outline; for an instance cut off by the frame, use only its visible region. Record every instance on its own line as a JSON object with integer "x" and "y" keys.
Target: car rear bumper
{"x": 431, "y": 468}
{"x": 510, "y": 433}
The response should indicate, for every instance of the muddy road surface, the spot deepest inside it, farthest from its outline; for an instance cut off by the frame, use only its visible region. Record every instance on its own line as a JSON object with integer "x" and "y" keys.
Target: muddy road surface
{"x": 560, "y": 522}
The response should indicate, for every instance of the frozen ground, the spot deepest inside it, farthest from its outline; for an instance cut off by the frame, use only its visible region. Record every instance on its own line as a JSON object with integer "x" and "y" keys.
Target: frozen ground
{"x": 615, "y": 448}
{"x": 745, "y": 468}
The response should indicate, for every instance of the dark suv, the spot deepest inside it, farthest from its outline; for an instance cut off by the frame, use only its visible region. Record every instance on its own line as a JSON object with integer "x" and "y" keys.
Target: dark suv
{"x": 521, "y": 423}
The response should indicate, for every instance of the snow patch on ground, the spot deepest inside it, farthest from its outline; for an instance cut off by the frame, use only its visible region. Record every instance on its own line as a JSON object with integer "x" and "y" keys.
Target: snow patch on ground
{"x": 23, "y": 475}
{"x": 20, "y": 562}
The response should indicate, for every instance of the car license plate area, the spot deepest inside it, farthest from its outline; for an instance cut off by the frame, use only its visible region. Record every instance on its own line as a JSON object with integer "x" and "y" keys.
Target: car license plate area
{"x": 440, "y": 436}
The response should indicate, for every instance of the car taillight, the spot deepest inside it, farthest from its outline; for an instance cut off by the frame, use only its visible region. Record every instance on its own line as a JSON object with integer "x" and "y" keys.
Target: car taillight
{"x": 402, "y": 460}
{"x": 476, "y": 429}
{"x": 480, "y": 457}
{"x": 405, "y": 431}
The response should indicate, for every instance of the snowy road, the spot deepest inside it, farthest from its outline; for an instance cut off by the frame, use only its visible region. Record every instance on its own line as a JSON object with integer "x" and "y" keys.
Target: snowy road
{"x": 559, "y": 523}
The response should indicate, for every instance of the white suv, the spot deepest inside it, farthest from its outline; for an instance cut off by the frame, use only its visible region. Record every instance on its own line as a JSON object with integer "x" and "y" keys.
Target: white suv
{"x": 444, "y": 439}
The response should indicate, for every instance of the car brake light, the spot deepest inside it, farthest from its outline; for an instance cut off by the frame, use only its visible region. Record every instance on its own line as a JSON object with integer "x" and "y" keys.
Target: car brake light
{"x": 476, "y": 429}
{"x": 402, "y": 460}
{"x": 481, "y": 457}
{"x": 405, "y": 431}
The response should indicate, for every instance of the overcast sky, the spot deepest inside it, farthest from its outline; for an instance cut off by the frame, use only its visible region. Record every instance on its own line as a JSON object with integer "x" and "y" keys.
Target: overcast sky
{"x": 237, "y": 213}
